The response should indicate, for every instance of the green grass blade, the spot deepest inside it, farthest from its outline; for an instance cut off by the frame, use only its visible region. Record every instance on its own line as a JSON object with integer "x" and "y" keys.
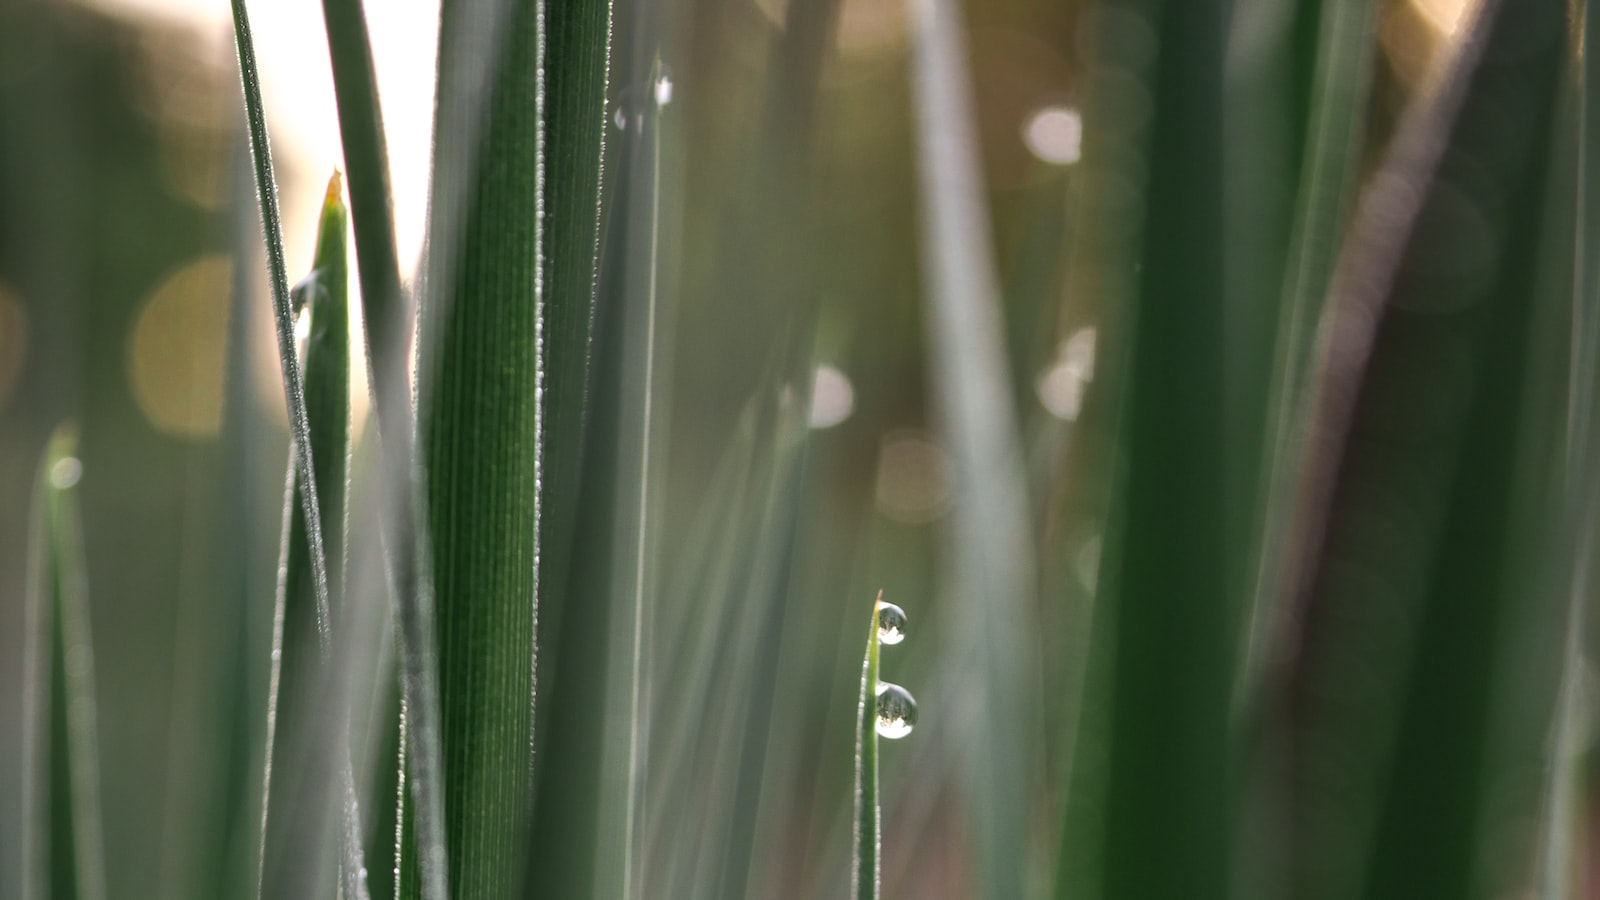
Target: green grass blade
{"x": 1574, "y": 572}
{"x": 1440, "y": 490}
{"x": 479, "y": 431}
{"x": 296, "y": 802}
{"x": 1334, "y": 134}
{"x": 371, "y": 200}
{"x": 864, "y": 871}
{"x": 282, "y": 304}
{"x": 970, "y": 374}
{"x": 63, "y": 847}
{"x": 1156, "y": 820}
{"x": 576, "y": 73}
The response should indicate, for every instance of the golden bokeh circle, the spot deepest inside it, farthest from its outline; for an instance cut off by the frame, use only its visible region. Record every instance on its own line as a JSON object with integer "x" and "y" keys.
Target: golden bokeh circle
{"x": 178, "y": 349}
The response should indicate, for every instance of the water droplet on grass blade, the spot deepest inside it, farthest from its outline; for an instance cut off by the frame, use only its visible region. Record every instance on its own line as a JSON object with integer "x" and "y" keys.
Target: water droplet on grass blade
{"x": 897, "y": 711}
{"x": 891, "y": 623}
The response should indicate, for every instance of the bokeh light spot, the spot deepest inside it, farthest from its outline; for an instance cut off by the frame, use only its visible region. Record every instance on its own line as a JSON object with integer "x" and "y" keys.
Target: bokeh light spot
{"x": 177, "y": 350}
{"x": 1054, "y": 134}
{"x": 832, "y": 398}
{"x": 914, "y": 477}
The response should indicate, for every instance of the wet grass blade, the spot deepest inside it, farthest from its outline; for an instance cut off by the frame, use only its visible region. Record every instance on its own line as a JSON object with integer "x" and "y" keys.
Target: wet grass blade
{"x": 297, "y": 815}
{"x": 992, "y": 544}
{"x": 63, "y": 852}
{"x": 864, "y": 874}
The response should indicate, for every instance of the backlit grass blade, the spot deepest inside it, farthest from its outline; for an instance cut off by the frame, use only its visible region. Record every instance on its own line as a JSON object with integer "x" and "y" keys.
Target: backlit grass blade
{"x": 479, "y": 406}
{"x": 864, "y": 874}
{"x": 63, "y": 853}
{"x": 970, "y": 387}
{"x": 282, "y": 304}
{"x": 302, "y": 774}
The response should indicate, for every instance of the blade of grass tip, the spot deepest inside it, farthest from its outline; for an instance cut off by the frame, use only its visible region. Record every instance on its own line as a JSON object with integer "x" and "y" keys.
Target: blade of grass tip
{"x": 1568, "y": 738}
{"x": 479, "y": 429}
{"x": 977, "y": 417}
{"x": 1334, "y": 134}
{"x": 297, "y": 735}
{"x": 387, "y": 329}
{"x": 371, "y": 200}
{"x": 868, "y": 844}
{"x": 63, "y": 846}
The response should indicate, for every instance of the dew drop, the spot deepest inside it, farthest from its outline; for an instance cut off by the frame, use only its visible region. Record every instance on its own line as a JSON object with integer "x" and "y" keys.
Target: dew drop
{"x": 891, "y": 623}
{"x": 897, "y": 711}
{"x": 276, "y": 654}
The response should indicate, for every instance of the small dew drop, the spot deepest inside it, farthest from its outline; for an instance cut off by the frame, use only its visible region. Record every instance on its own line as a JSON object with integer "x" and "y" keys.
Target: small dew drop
{"x": 897, "y": 711}
{"x": 65, "y": 472}
{"x": 891, "y": 623}
{"x": 620, "y": 119}
{"x": 277, "y": 655}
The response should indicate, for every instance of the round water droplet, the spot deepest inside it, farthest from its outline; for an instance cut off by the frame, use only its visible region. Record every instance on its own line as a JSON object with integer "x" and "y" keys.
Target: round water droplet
{"x": 891, "y": 623}
{"x": 897, "y": 711}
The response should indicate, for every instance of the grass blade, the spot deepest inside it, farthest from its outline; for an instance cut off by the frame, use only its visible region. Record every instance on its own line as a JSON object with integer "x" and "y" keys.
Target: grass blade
{"x": 296, "y": 802}
{"x": 371, "y": 200}
{"x": 864, "y": 873}
{"x": 1439, "y": 489}
{"x": 1571, "y": 563}
{"x": 1333, "y": 142}
{"x": 479, "y": 429}
{"x": 282, "y": 304}
{"x": 1155, "y": 724}
{"x": 63, "y": 849}
{"x": 995, "y": 570}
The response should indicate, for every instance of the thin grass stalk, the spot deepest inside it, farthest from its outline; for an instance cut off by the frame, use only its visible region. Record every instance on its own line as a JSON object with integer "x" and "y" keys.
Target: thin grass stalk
{"x": 63, "y": 844}
{"x": 970, "y": 377}
{"x": 865, "y": 879}
{"x": 282, "y": 305}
